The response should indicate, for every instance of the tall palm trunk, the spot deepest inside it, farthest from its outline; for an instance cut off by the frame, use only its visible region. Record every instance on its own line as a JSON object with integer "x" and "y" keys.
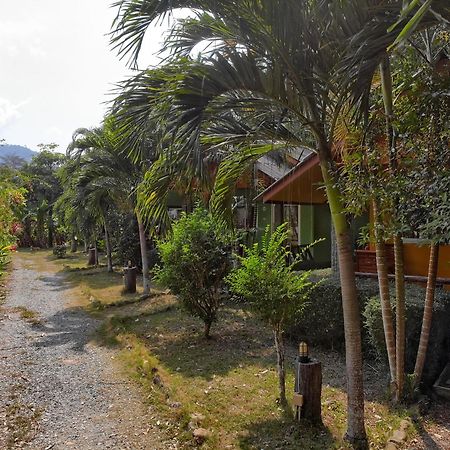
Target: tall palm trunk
{"x": 356, "y": 432}
{"x": 108, "y": 249}
{"x": 144, "y": 256}
{"x": 383, "y": 284}
{"x": 386, "y": 85}
{"x": 427, "y": 313}
{"x": 73, "y": 243}
{"x": 400, "y": 314}
{"x": 334, "y": 253}
{"x": 279, "y": 345}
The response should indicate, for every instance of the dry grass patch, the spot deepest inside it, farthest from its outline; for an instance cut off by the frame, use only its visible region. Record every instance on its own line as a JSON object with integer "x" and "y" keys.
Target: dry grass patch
{"x": 93, "y": 287}
{"x": 21, "y": 419}
{"x": 28, "y": 315}
{"x": 231, "y": 381}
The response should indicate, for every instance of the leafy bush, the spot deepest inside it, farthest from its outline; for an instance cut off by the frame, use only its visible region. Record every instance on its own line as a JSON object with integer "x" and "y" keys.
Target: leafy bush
{"x": 4, "y": 258}
{"x": 440, "y": 330}
{"x": 272, "y": 288}
{"x": 195, "y": 260}
{"x": 322, "y": 323}
{"x": 60, "y": 251}
{"x": 12, "y": 201}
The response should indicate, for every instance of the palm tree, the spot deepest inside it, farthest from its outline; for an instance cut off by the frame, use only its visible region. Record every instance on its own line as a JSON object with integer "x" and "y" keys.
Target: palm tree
{"x": 278, "y": 66}
{"x": 69, "y": 209}
{"x": 427, "y": 46}
{"x": 110, "y": 174}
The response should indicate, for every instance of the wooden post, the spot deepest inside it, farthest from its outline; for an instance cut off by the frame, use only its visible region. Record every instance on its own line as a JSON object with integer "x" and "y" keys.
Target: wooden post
{"x": 73, "y": 245}
{"x": 308, "y": 388}
{"x": 129, "y": 279}
{"x": 92, "y": 257}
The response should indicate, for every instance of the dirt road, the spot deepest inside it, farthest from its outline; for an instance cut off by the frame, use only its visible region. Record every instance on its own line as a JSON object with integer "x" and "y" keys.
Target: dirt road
{"x": 60, "y": 390}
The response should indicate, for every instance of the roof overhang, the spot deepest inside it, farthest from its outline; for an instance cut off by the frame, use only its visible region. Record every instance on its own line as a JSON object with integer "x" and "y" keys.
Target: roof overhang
{"x": 301, "y": 185}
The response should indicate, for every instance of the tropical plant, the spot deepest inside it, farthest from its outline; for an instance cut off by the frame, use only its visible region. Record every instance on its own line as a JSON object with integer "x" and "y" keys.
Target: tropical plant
{"x": 43, "y": 189}
{"x": 12, "y": 202}
{"x": 268, "y": 282}
{"x": 110, "y": 176}
{"x": 195, "y": 259}
{"x": 284, "y": 69}
{"x": 60, "y": 251}
{"x": 390, "y": 172}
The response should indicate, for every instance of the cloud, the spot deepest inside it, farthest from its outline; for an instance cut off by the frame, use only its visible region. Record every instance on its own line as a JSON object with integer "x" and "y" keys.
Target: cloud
{"x": 18, "y": 36}
{"x": 9, "y": 111}
{"x": 54, "y": 134}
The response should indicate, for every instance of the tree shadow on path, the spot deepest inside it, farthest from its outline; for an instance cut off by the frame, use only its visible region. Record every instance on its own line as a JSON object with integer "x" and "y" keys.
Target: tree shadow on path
{"x": 70, "y": 327}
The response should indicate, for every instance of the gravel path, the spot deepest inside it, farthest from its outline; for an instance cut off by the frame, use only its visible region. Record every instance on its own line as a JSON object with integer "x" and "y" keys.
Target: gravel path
{"x": 59, "y": 390}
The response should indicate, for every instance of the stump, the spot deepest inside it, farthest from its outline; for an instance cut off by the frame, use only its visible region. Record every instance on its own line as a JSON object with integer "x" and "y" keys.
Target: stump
{"x": 92, "y": 257}
{"x": 308, "y": 383}
{"x": 129, "y": 280}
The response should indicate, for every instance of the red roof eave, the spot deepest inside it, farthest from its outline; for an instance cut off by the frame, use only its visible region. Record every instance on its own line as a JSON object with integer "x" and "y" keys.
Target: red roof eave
{"x": 308, "y": 163}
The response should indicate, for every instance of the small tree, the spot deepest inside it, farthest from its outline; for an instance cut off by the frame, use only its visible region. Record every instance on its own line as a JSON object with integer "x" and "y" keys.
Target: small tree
{"x": 195, "y": 260}
{"x": 266, "y": 279}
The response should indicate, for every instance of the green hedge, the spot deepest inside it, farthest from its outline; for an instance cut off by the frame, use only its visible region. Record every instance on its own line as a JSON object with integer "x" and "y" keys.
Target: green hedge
{"x": 322, "y": 323}
{"x": 439, "y": 344}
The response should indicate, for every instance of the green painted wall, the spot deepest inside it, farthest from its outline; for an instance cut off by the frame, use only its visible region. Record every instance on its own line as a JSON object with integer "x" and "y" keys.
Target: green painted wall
{"x": 263, "y": 218}
{"x": 355, "y": 227}
{"x": 306, "y": 221}
{"x": 322, "y": 229}
{"x": 174, "y": 200}
{"x": 315, "y": 223}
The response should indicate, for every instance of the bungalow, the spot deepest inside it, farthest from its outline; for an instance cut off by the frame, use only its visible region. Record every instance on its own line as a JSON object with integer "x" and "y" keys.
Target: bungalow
{"x": 299, "y": 198}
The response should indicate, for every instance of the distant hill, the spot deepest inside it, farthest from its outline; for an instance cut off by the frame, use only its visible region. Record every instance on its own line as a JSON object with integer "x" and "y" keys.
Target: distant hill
{"x": 16, "y": 150}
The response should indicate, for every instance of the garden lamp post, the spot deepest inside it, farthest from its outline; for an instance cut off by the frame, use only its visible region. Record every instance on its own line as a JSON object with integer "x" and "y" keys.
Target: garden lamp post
{"x": 308, "y": 386}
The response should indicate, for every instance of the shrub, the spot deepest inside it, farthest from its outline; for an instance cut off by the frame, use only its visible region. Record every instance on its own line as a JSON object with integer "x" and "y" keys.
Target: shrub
{"x": 4, "y": 257}
{"x": 267, "y": 281}
{"x": 322, "y": 323}
{"x": 60, "y": 251}
{"x": 195, "y": 260}
{"x": 437, "y": 353}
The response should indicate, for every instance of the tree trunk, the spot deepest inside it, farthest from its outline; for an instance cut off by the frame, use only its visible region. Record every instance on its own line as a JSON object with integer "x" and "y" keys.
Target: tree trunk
{"x": 356, "y": 432}
{"x": 427, "y": 313}
{"x": 50, "y": 227}
{"x": 73, "y": 244}
{"x": 207, "y": 330}
{"x": 386, "y": 86}
{"x": 383, "y": 283}
{"x": 40, "y": 231}
{"x": 334, "y": 253}
{"x": 279, "y": 345}
{"x": 400, "y": 315}
{"x": 108, "y": 250}
{"x": 144, "y": 256}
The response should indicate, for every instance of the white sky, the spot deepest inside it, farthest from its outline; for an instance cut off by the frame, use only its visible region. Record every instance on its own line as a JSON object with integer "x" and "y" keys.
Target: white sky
{"x": 56, "y": 67}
